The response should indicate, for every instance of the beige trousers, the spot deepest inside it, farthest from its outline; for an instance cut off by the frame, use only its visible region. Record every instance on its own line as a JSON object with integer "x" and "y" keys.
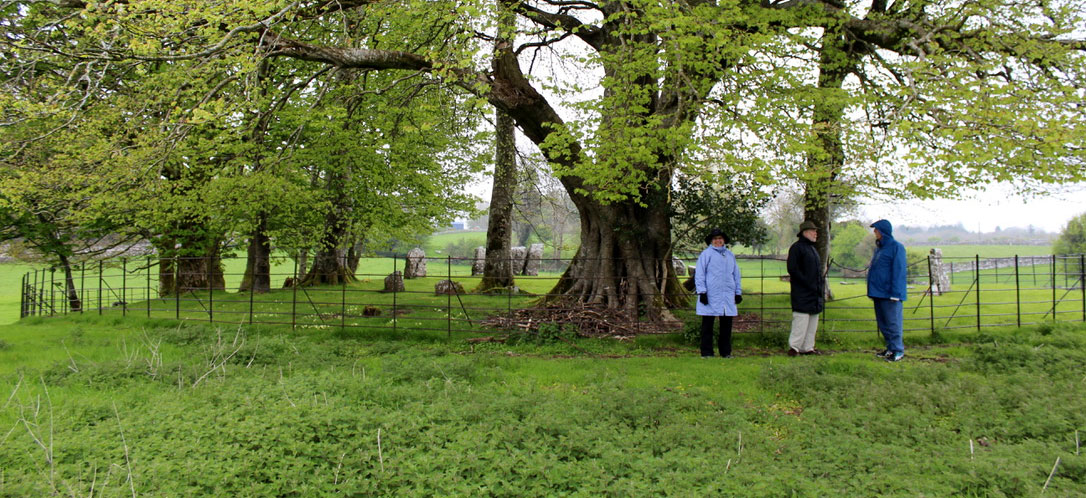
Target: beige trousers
{"x": 802, "y": 338}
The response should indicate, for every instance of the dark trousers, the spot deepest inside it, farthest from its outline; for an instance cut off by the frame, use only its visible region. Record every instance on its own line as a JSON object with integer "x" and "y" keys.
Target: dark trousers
{"x": 723, "y": 340}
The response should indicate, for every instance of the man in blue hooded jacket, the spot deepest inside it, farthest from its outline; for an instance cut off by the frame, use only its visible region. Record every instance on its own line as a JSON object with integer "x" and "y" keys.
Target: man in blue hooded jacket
{"x": 886, "y": 287}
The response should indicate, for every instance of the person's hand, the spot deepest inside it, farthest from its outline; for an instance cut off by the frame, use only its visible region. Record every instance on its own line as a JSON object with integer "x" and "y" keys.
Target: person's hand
{"x": 738, "y": 298}
{"x": 703, "y": 298}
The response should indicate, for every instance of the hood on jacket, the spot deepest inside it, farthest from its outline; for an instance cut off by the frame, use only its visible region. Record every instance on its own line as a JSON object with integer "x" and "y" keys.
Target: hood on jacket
{"x": 884, "y": 228}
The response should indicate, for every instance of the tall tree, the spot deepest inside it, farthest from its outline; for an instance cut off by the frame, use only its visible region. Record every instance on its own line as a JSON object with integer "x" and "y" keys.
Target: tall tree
{"x": 961, "y": 95}
{"x": 498, "y": 264}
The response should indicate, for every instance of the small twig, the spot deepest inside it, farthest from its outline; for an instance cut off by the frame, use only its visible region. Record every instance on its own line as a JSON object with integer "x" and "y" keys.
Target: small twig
{"x": 19, "y": 383}
{"x": 1050, "y": 474}
{"x": 127, "y": 460}
{"x": 380, "y": 455}
{"x": 970, "y": 449}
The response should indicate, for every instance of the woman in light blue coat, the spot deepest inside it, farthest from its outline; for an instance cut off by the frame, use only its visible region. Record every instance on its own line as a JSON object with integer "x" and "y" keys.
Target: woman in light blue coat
{"x": 717, "y": 283}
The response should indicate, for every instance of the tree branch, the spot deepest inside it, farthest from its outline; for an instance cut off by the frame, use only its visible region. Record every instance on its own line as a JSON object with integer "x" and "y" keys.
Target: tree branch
{"x": 590, "y": 34}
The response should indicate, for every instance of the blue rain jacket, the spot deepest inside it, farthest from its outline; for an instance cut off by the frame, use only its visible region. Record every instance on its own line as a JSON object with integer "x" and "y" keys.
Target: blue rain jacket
{"x": 886, "y": 276}
{"x": 717, "y": 275}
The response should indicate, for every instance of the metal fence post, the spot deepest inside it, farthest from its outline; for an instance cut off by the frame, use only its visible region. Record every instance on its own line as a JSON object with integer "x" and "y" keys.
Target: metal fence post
{"x": 508, "y": 295}
{"x": 82, "y": 287}
{"x": 1082, "y": 282}
{"x": 252, "y": 285}
{"x": 147, "y": 290}
{"x": 976, "y": 273}
{"x": 931, "y": 297}
{"x": 99, "y": 287}
{"x": 343, "y": 298}
{"x": 761, "y": 297}
{"x": 52, "y": 295}
{"x": 32, "y": 305}
{"x": 177, "y": 287}
{"x": 294, "y": 298}
{"x": 1017, "y": 293}
{"x": 395, "y": 285}
{"x": 448, "y": 309}
{"x": 124, "y": 286}
{"x": 22, "y": 296}
{"x": 1054, "y": 288}
{"x": 210, "y": 290}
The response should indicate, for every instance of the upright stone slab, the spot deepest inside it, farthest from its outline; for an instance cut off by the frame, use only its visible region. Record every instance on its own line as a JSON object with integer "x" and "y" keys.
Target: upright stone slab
{"x": 394, "y": 282}
{"x": 940, "y": 279}
{"x": 448, "y": 287}
{"x": 478, "y": 265}
{"x": 517, "y": 255}
{"x": 679, "y": 266}
{"x": 416, "y": 264}
{"x": 531, "y": 264}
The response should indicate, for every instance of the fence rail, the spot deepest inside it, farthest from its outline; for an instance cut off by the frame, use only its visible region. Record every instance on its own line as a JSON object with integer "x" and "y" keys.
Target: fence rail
{"x": 982, "y": 293}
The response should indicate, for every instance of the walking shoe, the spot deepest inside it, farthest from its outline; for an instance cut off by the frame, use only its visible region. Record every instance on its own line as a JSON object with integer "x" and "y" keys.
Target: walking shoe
{"x": 895, "y": 357}
{"x": 886, "y": 353}
{"x": 813, "y": 351}
{"x": 792, "y": 352}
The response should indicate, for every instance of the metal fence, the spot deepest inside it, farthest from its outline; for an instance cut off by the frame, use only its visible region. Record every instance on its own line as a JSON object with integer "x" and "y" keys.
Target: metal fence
{"x": 998, "y": 292}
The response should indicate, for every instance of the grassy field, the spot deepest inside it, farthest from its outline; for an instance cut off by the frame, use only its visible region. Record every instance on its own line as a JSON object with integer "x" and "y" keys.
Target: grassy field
{"x": 109, "y": 406}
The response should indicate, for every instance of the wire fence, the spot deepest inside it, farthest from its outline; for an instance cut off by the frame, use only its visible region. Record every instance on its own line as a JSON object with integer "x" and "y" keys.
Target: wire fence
{"x": 951, "y": 293}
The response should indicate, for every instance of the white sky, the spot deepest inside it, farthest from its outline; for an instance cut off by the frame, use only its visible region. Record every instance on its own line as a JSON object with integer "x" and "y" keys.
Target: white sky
{"x": 984, "y": 211}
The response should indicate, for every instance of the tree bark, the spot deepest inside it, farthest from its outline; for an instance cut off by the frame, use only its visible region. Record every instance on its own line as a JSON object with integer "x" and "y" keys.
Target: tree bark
{"x": 828, "y": 158}
{"x": 330, "y": 265}
{"x": 74, "y": 302}
{"x": 258, "y": 261}
{"x": 497, "y": 267}
{"x": 624, "y": 261}
{"x": 197, "y": 269}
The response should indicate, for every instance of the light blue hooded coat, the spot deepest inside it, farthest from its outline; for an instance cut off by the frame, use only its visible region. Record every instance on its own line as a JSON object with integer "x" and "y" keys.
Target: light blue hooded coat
{"x": 717, "y": 275}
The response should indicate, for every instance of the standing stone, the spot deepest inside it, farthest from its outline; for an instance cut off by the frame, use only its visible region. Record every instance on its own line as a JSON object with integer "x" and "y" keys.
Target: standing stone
{"x": 448, "y": 287}
{"x": 394, "y": 282}
{"x": 478, "y": 265}
{"x": 680, "y": 267}
{"x": 517, "y": 255}
{"x": 416, "y": 264}
{"x": 531, "y": 264}
{"x": 940, "y": 279}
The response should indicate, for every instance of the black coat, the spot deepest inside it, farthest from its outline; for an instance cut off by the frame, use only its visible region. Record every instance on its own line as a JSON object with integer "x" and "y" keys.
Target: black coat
{"x": 805, "y": 276}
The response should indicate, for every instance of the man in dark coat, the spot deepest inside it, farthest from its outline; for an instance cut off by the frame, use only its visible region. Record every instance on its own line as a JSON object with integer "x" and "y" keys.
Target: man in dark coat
{"x": 808, "y": 290}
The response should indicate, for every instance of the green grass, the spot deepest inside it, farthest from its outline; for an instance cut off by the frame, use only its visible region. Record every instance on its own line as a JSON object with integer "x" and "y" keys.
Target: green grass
{"x": 111, "y": 406}
{"x": 11, "y": 276}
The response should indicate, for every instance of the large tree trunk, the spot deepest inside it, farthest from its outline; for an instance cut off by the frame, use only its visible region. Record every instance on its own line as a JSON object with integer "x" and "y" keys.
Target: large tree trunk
{"x": 497, "y": 268}
{"x": 829, "y": 156}
{"x": 195, "y": 271}
{"x": 74, "y": 302}
{"x": 200, "y": 273}
{"x": 329, "y": 268}
{"x": 258, "y": 262}
{"x": 624, "y": 261}
{"x": 330, "y": 264}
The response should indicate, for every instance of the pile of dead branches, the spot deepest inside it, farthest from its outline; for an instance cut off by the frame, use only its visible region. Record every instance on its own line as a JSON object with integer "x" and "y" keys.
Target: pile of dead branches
{"x": 589, "y": 321}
